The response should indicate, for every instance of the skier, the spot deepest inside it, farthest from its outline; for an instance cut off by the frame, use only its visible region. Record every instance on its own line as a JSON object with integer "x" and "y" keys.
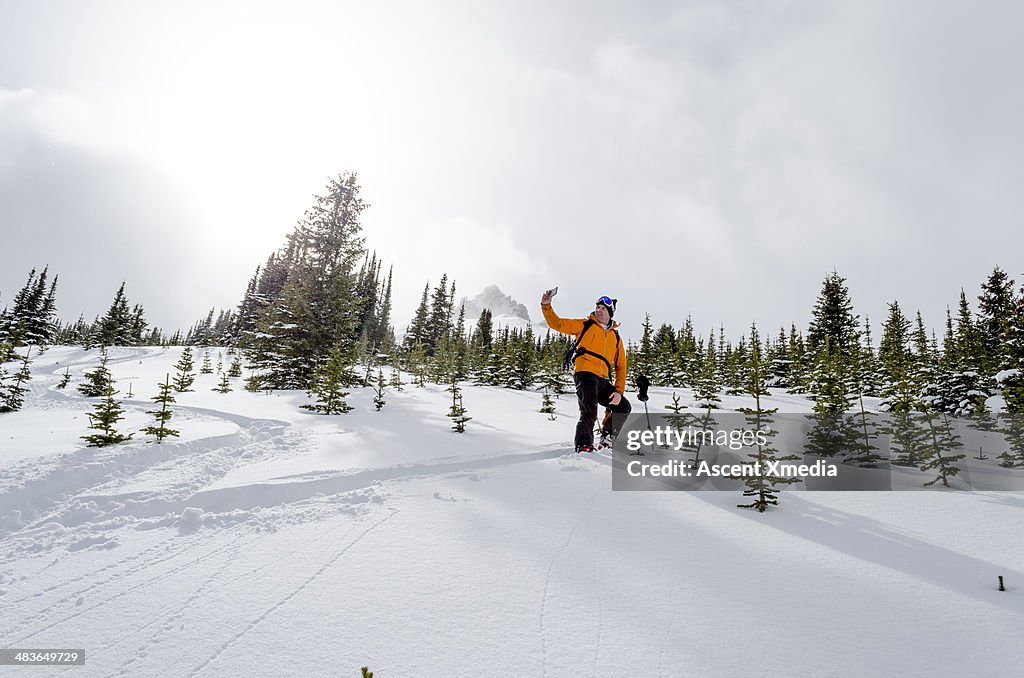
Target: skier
{"x": 597, "y": 349}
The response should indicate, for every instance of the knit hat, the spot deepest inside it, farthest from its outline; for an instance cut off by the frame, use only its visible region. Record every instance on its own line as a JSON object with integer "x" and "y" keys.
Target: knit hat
{"x": 608, "y": 303}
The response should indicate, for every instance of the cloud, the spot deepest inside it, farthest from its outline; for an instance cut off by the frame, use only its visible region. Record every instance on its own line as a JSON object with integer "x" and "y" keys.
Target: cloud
{"x": 95, "y": 217}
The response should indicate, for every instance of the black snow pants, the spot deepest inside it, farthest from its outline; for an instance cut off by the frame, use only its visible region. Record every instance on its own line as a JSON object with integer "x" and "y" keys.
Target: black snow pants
{"x": 592, "y": 391}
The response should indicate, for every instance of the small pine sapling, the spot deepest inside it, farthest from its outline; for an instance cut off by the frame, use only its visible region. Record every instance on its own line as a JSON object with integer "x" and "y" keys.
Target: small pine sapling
{"x": 107, "y": 414}
{"x": 378, "y": 397}
{"x": 96, "y": 381}
{"x": 184, "y": 379}
{"x": 223, "y": 386}
{"x": 547, "y": 404}
{"x": 65, "y": 378}
{"x": 12, "y": 396}
{"x": 164, "y": 398}
{"x": 206, "y": 368}
{"x": 457, "y": 413}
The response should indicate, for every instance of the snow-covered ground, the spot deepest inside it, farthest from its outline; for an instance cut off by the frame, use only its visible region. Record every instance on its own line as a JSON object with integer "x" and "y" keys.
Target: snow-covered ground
{"x": 271, "y": 541}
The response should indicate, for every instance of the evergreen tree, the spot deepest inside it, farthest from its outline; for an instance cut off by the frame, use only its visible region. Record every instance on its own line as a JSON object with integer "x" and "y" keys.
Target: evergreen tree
{"x": 833, "y": 319}
{"x": 762, "y": 486}
{"x": 831, "y": 432}
{"x": 418, "y": 332}
{"x": 547, "y": 404}
{"x": 13, "y": 389}
{"x": 642, "y": 361}
{"x": 115, "y": 328}
{"x": 95, "y": 382}
{"x": 899, "y": 390}
{"x": 940, "y": 439}
{"x": 235, "y": 369}
{"x": 184, "y": 379}
{"x": 65, "y": 378}
{"x": 378, "y": 392}
{"x": 224, "y": 385}
{"x": 107, "y": 412}
{"x": 457, "y": 412}
{"x": 163, "y": 415}
{"x": 1013, "y": 432}
{"x": 319, "y": 303}
{"x": 708, "y": 386}
{"x": 1012, "y": 378}
{"x": 31, "y": 319}
{"x": 995, "y": 307}
{"x": 439, "y": 320}
{"x": 206, "y": 368}
{"x": 328, "y": 386}
{"x": 484, "y": 333}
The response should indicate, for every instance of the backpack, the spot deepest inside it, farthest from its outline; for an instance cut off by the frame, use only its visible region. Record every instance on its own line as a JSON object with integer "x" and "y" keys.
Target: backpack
{"x": 575, "y": 351}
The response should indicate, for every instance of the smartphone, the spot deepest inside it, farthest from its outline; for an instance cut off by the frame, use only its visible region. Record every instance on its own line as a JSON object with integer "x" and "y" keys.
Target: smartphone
{"x": 553, "y": 291}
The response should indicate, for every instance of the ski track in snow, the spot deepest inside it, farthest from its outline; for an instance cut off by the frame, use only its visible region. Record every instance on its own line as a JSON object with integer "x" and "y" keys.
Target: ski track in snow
{"x": 551, "y": 566}
{"x": 168, "y": 621}
{"x": 299, "y": 589}
{"x": 42, "y": 616}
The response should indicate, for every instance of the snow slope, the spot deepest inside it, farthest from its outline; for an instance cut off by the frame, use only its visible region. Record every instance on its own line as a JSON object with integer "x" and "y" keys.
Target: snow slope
{"x": 271, "y": 541}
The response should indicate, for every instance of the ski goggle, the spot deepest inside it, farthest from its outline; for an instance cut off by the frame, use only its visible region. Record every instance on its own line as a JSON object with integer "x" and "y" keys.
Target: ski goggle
{"x": 606, "y": 301}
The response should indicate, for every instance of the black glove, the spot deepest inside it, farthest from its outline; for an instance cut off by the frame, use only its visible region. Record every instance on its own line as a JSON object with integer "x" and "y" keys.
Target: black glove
{"x": 642, "y": 384}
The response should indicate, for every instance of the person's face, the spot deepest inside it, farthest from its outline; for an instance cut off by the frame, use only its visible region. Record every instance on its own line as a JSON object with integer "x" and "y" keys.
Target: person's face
{"x": 601, "y": 313}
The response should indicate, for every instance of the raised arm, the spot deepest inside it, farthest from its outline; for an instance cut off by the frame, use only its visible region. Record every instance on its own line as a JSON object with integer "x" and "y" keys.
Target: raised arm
{"x": 564, "y": 325}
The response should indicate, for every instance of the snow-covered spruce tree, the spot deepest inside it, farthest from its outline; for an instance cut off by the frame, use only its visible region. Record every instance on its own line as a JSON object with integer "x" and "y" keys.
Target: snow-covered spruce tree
{"x": 925, "y": 368}
{"x": 1012, "y": 428}
{"x": 224, "y": 385}
{"x": 642, "y": 360}
{"x": 184, "y": 378}
{"x": 832, "y": 318}
{"x": 525, "y": 352}
{"x": 65, "y": 378}
{"x": 318, "y": 304}
{"x": 94, "y": 383}
{"x": 235, "y": 368}
{"x": 831, "y": 432}
{"x": 115, "y": 327}
{"x": 907, "y": 442}
{"x": 457, "y": 412}
{"x": 416, "y": 359}
{"x": 163, "y": 415}
{"x": 547, "y": 404}
{"x": 797, "y": 376}
{"x": 460, "y": 346}
{"x": 378, "y": 391}
{"x": 779, "y": 362}
{"x": 678, "y": 420}
{"x": 995, "y": 308}
{"x": 761, "y": 486}
{"x": 940, "y": 442}
{"x": 708, "y": 386}
{"x": 899, "y": 391}
{"x": 206, "y": 367}
{"x": 862, "y": 371}
{"x": 13, "y": 388}
{"x": 328, "y": 384}
{"x": 868, "y": 372}
{"x": 106, "y": 414}
{"x": 1012, "y": 378}
{"x": 396, "y": 368}
{"x": 32, "y": 316}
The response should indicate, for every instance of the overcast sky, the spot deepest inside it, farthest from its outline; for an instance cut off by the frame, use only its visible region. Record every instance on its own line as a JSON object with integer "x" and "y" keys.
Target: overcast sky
{"x": 708, "y": 158}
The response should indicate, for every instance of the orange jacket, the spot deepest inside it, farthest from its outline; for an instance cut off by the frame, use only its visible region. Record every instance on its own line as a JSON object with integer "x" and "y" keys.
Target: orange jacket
{"x": 597, "y": 340}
